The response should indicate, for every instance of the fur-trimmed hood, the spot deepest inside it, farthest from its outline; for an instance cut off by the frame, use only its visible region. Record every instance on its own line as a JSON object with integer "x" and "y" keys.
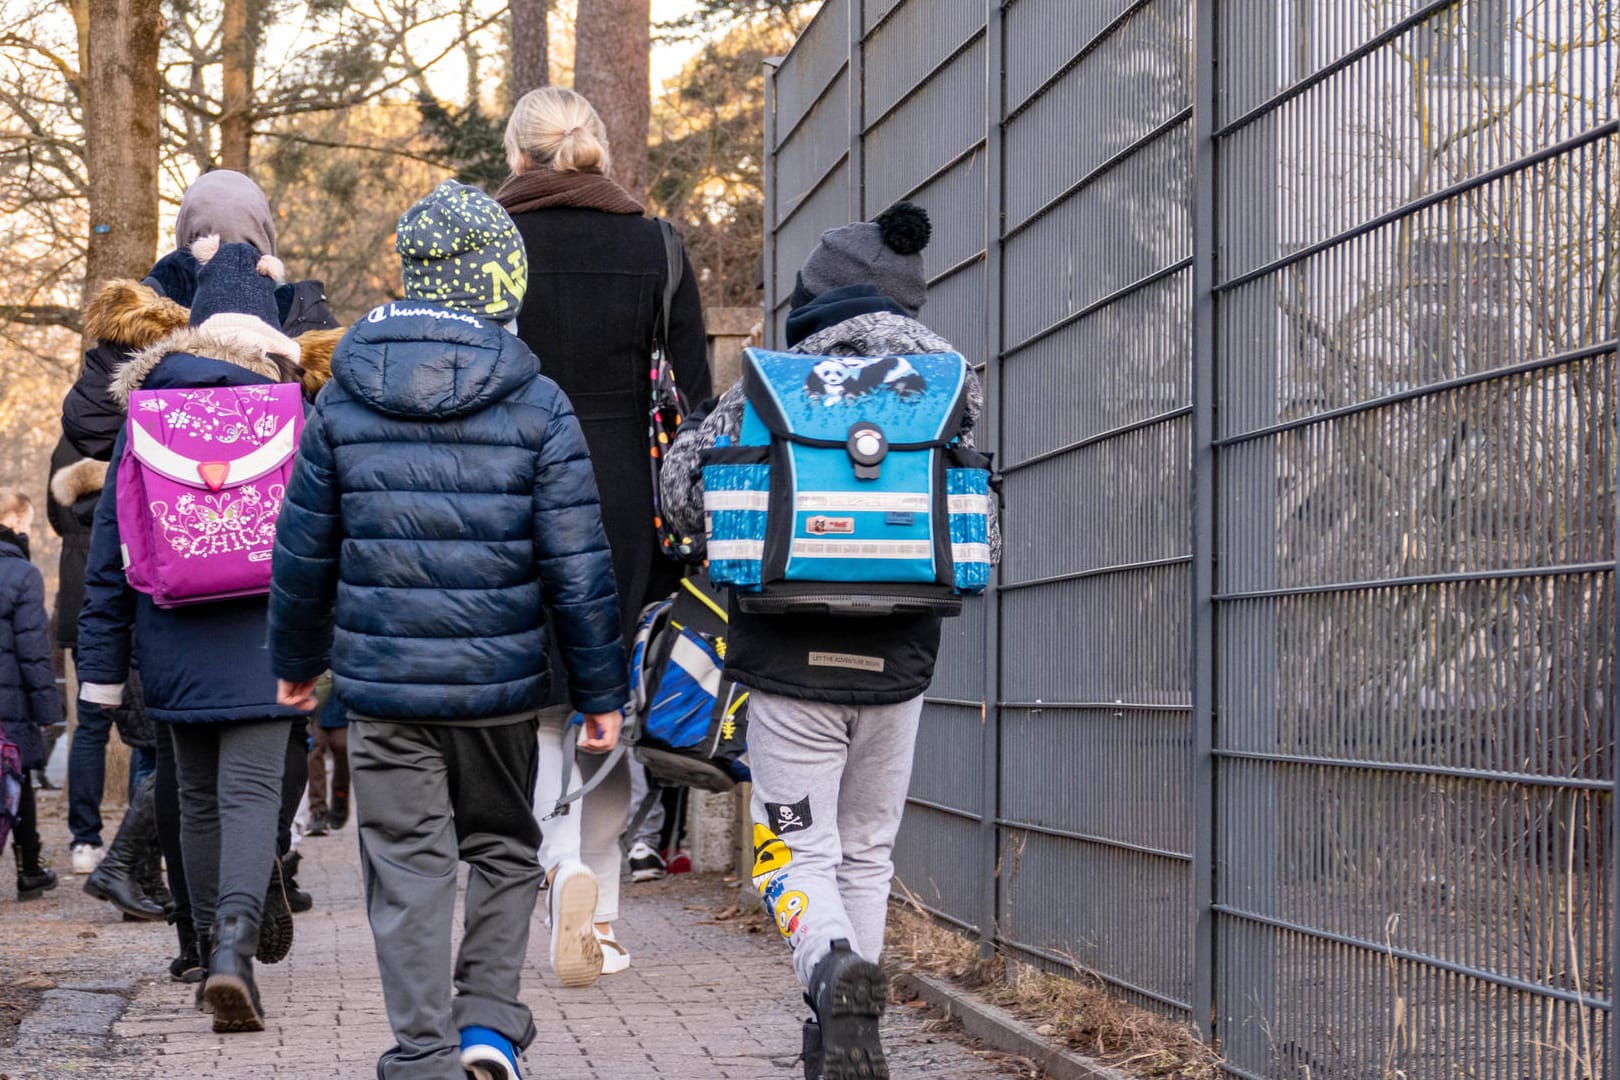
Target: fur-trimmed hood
{"x": 318, "y": 346}
{"x": 127, "y": 313}
{"x": 132, "y": 374}
{"x": 73, "y": 482}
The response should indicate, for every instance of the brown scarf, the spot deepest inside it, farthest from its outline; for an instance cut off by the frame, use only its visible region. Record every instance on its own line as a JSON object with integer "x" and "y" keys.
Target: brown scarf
{"x": 541, "y": 189}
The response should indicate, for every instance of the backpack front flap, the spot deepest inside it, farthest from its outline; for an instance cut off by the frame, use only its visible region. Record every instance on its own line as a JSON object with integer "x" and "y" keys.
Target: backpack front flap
{"x": 201, "y": 484}
{"x": 846, "y": 472}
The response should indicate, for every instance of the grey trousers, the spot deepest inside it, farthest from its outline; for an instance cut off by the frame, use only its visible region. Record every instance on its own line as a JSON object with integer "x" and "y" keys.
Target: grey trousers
{"x": 830, "y": 787}
{"x": 230, "y": 804}
{"x": 426, "y": 796}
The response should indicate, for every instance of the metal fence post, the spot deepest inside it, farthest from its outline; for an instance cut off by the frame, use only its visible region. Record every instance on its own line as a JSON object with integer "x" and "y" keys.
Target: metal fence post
{"x": 1204, "y": 372}
{"x": 772, "y": 66}
{"x": 857, "y": 110}
{"x": 991, "y": 424}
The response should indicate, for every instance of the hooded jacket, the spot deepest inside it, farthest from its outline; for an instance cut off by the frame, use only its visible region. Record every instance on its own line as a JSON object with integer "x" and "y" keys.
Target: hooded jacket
{"x": 442, "y": 503}
{"x": 126, "y": 316}
{"x": 205, "y": 663}
{"x": 75, "y": 485}
{"x": 28, "y": 697}
{"x": 772, "y": 653}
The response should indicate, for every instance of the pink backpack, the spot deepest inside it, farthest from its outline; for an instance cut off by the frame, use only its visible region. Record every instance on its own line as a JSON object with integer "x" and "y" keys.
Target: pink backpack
{"x": 200, "y": 485}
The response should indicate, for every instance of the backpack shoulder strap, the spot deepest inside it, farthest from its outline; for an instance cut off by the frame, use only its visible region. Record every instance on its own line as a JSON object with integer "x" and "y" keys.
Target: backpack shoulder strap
{"x": 673, "y": 264}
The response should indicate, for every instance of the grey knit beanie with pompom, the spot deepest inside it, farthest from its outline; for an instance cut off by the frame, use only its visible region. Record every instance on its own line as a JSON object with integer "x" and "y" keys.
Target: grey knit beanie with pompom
{"x": 884, "y": 253}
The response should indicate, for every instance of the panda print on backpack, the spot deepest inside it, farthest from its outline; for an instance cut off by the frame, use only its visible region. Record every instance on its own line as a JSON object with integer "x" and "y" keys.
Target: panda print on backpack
{"x": 838, "y": 381}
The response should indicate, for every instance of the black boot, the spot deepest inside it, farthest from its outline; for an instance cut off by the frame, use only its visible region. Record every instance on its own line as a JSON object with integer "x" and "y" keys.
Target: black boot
{"x": 338, "y": 815}
{"x": 276, "y": 932}
{"x": 297, "y": 899}
{"x": 187, "y": 967}
{"x": 849, "y": 995}
{"x": 151, "y": 878}
{"x": 32, "y": 879}
{"x": 117, "y": 879}
{"x": 811, "y": 1052}
{"x": 205, "y": 950}
{"x": 230, "y": 990}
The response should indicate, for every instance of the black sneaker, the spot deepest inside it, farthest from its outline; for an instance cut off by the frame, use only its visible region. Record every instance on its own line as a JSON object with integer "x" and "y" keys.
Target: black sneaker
{"x": 318, "y": 825}
{"x": 276, "y": 928}
{"x": 33, "y": 883}
{"x": 849, "y": 995}
{"x": 645, "y": 863}
{"x": 339, "y": 815}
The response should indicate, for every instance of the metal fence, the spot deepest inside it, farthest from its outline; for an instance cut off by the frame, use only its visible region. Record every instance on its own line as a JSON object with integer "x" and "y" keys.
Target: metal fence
{"x": 1291, "y": 712}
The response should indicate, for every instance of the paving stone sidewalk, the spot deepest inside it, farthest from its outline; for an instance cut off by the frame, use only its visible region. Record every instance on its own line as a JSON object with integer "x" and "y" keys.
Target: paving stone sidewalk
{"x": 705, "y": 998}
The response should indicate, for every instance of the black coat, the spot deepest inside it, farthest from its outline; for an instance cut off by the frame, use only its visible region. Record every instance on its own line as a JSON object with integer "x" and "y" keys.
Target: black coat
{"x": 75, "y": 485}
{"x": 442, "y": 503}
{"x": 28, "y": 697}
{"x": 596, "y": 285}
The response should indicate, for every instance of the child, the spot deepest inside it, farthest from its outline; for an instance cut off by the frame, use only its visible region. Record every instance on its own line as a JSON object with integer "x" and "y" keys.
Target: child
{"x": 205, "y": 675}
{"x": 834, "y": 701}
{"x": 442, "y": 505}
{"x": 28, "y": 697}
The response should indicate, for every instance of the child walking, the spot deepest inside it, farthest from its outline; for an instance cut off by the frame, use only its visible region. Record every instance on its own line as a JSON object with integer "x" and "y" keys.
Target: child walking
{"x": 834, "y": 700}
{"x": 442, "y": 505}
{"x": 28, "y": 697}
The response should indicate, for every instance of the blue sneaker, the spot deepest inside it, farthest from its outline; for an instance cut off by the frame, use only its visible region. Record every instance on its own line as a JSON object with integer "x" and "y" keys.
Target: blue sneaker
{"x": 488, "y": 1055}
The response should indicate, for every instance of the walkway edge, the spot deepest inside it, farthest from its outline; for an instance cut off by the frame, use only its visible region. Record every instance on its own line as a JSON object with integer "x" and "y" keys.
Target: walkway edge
{"x": 1002, "y": 1030}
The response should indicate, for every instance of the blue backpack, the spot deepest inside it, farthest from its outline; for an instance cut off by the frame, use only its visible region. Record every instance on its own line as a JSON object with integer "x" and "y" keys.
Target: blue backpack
{"x": 847, "y": 492}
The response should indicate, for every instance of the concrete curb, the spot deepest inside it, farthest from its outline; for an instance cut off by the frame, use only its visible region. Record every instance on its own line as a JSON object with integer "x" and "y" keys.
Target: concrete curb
{"x": 1002, "y": 1030}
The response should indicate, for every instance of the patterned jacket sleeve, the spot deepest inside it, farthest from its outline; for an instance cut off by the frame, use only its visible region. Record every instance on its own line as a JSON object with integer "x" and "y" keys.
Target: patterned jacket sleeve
{"x": 304, "y": 570}
{"x": 681, "y": 480}
{"x": 576, "y": 567}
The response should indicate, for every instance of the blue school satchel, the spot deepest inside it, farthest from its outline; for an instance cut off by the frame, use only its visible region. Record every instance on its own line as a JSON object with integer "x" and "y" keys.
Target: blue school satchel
{"x": 847, "y": 492}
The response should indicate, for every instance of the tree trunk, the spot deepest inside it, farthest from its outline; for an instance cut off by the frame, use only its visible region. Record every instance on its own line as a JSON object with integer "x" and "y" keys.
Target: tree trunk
{"x": 121, "y": 138}
{"x": 237, "y": 51}
{"x": 612, "y": 40}
{"x": 531, "y": 66}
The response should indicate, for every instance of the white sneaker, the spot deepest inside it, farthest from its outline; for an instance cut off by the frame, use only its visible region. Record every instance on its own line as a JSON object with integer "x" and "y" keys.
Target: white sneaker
{"x": 615, "y": 957}
{"x": 86, "y": 857}
{"x": 576, "y": 956}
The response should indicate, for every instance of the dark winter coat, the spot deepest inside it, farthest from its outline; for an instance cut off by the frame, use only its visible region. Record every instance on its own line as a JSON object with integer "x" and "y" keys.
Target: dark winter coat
{"x": 75, "y": 486}
{"x": 772, "y": 652}
{"x": 125, "y": 317}
{"x": 28, "y": 697}
{"x": 596, "y": 286}
{"x": 442, "y": 503}
{"x": 205, "y": 663}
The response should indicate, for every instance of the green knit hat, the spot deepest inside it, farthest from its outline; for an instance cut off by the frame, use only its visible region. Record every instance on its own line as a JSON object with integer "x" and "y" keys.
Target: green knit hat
{"x": 459, "y": 248}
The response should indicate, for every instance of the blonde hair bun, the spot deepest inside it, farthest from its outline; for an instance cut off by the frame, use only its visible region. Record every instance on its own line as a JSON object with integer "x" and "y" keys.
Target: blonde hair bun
{"x": 556, "y": 128}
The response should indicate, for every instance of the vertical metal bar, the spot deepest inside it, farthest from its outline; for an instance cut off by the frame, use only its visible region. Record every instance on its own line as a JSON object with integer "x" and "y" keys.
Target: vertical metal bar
{"x": 772, "y": 66}
{"x": 1204, "y": 372}
{"x": 857, "y": 110}
{"x": 990, "y": 433}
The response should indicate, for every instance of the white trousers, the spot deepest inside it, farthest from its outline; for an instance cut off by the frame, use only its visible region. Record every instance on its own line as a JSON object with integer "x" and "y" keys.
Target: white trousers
{"x": 589, "y": 831}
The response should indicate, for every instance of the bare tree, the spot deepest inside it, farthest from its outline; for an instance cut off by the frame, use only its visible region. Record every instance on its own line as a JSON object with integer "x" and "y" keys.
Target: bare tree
{"x": 530, "y": 46}
{"x": 612, "y": 41}
{"x": 121, "y": 137}
{"x": 237, "y": 53}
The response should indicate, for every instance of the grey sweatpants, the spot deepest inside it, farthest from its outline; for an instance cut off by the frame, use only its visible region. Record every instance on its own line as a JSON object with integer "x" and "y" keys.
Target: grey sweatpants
{"x": 830, "y": 786}
{"x": 426, "y": 796}
{"x": 229, "y": 776}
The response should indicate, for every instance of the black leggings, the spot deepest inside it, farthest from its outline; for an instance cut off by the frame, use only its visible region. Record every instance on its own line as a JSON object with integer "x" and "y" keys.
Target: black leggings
{"x": 166, "y": 792}
{"x": 25, "y": 837}
{"x": 294, "y": 778}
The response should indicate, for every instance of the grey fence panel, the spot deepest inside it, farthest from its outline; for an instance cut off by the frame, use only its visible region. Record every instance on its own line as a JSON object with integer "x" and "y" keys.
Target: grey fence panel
{"x": 1299, "y": 675}
{"x": 1414, "y": 605}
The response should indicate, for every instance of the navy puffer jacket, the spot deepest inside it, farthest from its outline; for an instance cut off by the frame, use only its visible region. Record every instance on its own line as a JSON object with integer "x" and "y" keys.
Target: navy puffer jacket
{"x": 442, "y": 502}
{"x": 28, "y": 696}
